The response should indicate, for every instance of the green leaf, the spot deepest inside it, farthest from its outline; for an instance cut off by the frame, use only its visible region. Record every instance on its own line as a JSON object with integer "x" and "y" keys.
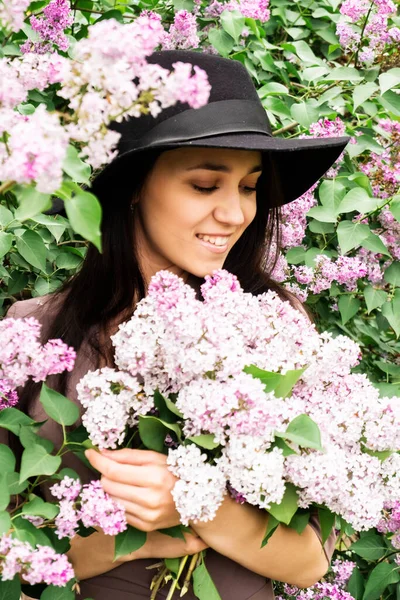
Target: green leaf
{"x": 391, "y": 101}
{"x": 222, "y": 41}
{"x": 31, "y": 247}
{"x": 6, "y": 216}
{"x": 28, "y": 437}
{"x": 84, "y": 213}
{"x": 37, "y": 507}
{"x": 305, "y": 53}
{"x": 272, "y": 525}
{"x": 58, "y": 407}
{"x": 174, "y": 532}
{"x": 26, "y": 531}
{"x": 302, "y": 430}
{"x": 389, "y": 368}
{"x": 359, "y": 200}
{"x": 5, "y": 525}
{"x": 285, "y": 510}
{"x": 363, "y": 92}
{"x": 272, "y": 88}
{"x": 331, "y": 193}
{"x": 172, "y": 407}
{"x": 7, "y": 459}
{"x": 372, "y": 547}
{"x": 389, "y": 79}
{"x": 383, "y": 575}
{"x": 374, "y": 298}
{"x": 4, "y": 492}
{"x": 314, "y": 73}
{"x": 203, "y": 585}
{"x": 392, "y": 274}
{"x": 326, "y": 520}
{"x": 205, "y": 441}
{"x": 55, "y": 224}
{"x": 350, "y": 235}
{"x": 391, "y": 310}
{"x": 31, "y": 202}
{"x": 153, "y": 431}
{"x": 173, "y": 564}
{"x": 281, "y": 385}
{"x": 348, "y": 307}
{"x": 232, "y": 22}
{"x": 295, "y": 255}
{"x": 304, "y": 113}
{"x": 14, "y": 485}
{"x": 183, "y": 5}
{"x": 53, "y": 592}
{"x": 5, "y": 242}
{"x": 356, "y": 584}
{"x": 344, "y": 74}
{"x": 12, "y": 419}
{"x": 277, "y": 107}
{"x": 128, "y": 541}
{"x": 374, "y": 243}
{"x": 300, "y": 521}
{"x": 319, "y": 227}
{"x": 364, "y": 142}
{"x": 10, "y": 590}
{"x": 286, "y": 450}
{"x": 74, "y": 166}
{"x": 67, "y": 260}
{"x": 37, "y": 461}
{"x": 395, "y": 208}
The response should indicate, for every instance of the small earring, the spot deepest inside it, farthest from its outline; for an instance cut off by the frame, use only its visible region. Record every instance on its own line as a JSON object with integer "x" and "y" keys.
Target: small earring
{"x": 133, "y": 207}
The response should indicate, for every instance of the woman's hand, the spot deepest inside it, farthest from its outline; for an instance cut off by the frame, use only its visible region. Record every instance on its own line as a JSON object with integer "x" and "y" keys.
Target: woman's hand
{"x": 141, "y": 481}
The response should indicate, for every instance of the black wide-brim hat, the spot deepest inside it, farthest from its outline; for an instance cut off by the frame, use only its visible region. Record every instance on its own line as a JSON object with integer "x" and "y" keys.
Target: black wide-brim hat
{"x": 233, "y": 118}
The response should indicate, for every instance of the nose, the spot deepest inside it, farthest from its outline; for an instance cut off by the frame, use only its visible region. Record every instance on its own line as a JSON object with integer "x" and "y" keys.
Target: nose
{"x": 229, "y": 210}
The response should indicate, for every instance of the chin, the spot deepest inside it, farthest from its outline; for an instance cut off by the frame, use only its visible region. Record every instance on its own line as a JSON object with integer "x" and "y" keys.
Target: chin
{"x": 202, "y": 270}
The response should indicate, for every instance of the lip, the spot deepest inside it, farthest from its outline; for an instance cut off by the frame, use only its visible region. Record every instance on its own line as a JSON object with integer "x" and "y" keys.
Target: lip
{"x": 212, "y": 247}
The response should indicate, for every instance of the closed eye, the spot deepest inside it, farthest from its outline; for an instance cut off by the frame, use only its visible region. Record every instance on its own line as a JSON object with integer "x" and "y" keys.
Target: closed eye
{"x": 206, "y": 190}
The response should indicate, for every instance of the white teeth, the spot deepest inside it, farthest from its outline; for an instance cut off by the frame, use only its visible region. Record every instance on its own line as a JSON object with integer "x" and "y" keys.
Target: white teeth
{"x": 216, "y": 241}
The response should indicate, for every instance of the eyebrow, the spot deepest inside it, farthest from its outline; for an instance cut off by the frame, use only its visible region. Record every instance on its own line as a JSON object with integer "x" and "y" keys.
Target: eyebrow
{"x": 221, "y": 168}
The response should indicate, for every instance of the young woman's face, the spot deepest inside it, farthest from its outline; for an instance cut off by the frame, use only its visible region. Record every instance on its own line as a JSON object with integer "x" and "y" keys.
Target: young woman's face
{"x": 195, "y": 205}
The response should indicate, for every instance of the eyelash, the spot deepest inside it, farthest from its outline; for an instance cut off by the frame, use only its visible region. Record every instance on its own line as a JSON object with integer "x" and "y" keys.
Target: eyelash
{"x": 205, "y": 190}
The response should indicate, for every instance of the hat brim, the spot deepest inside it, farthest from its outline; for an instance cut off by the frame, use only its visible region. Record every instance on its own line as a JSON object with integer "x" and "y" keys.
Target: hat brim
{"x": 300, "y": 163}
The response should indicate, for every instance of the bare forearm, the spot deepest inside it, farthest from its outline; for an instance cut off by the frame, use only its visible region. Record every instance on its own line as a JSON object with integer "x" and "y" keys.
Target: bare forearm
{"x": 93, "y": 555}
{"x": 237, "y": 532}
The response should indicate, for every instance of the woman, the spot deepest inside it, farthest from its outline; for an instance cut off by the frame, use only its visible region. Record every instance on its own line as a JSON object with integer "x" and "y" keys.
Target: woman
{"x": 191, "y": 191}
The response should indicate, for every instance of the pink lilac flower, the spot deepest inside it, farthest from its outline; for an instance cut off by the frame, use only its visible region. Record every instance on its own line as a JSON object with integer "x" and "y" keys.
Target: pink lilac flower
{"x": 182, "y": 33}
{"x": 88, "y": 504}
{"x": 324, "y": 128}
{"x": 343, "y": 570}
{"x": 254, "y": 9}
{"x": 36, "y": 149}
{"x": 8, "y": 396}
{"x": 294, "y": 221}
{"x": 12, "y": 13}
{"x": 57, "y": 16}
{"x": 109, "y": 79}
{"x": 384, "y": 169}
{"x": 200, "y": 488}
{"x": 98, "y": 509}
{"x": 37, "y": 565}
{"x": 22, "y": 355}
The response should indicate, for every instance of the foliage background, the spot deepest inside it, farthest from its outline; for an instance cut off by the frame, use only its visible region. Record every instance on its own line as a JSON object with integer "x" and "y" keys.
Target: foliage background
{"x": 303, "y": 74}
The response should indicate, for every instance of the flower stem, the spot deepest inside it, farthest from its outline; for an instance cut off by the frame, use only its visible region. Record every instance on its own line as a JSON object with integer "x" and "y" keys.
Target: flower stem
{"x": 156, "y": 582}
{"x": 189, "y": 573}
{"x": 176, "y": 580}
{"x": 7, "y": 185}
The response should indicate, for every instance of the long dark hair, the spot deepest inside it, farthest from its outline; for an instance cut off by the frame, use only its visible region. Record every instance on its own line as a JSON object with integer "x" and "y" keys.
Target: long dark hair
{"x": 104, "y": 288}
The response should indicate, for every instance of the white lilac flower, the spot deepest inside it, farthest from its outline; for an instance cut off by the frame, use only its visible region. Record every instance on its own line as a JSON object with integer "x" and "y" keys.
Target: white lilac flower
{"x": 200, "y": 488}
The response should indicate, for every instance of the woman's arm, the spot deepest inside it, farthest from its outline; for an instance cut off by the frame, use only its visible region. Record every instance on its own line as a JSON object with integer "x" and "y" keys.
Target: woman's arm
{"x": 142, "y": 482}
{"x": 237, "y": 532}
{"x": 93, "y": 555}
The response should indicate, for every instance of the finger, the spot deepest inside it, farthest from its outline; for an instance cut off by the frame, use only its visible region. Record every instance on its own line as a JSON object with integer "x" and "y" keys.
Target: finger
{"x": 139, "y": 495}
{"x": 129, "y": 456}
{"x": 130, "y": 474}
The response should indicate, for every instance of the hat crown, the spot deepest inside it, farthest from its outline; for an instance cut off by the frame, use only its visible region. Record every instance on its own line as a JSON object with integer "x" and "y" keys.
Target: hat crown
{"x": 228, "y": 78}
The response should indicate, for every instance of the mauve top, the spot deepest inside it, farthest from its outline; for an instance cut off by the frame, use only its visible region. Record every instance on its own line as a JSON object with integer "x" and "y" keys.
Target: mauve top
{"x": 131, "y": 581}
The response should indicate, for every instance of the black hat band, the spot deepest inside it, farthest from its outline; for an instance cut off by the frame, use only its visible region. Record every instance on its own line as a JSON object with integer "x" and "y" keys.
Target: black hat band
{"x": 216, "y": 118}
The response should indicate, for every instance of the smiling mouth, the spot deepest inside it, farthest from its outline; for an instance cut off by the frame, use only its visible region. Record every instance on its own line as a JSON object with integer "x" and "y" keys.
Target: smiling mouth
{"x": 218, "y": 241}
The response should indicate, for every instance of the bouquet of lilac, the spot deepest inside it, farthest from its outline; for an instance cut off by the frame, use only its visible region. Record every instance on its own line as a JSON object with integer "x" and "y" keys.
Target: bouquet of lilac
{"x": 252, "y": 399}
{"x": 247, "y": 398}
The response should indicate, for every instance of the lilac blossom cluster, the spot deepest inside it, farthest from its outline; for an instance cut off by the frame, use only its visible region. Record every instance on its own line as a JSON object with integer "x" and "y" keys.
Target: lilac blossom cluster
{"x": 365, "y": 27}
{"x": 332, "y": 588}
{"x": 23, "y": 356}
{"x": 198, "y": 350}
{"x": 57, "y": 16}
{"x": 182, "y": 33}
{"x": 108, "y": 79}
{"x": 253, "y": 9}
{"x": 37, "y": 565}
{"x": 88, "y": 504}
{"x": 383, "y": 169}
{"x": 12, "y": 13}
